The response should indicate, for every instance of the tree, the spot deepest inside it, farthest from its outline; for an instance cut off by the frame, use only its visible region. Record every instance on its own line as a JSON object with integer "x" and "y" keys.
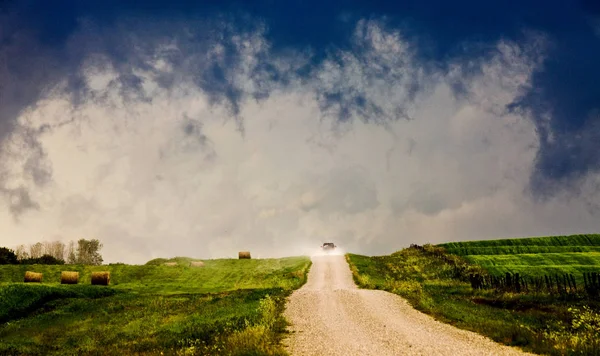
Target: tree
{"x": 21, "y": 252}
{"x": 36, "y": 250}
{"x": 59, "y": 249}
{"x": 55, "y": 249}
{"x": 71, "y": 256}
{"x": 8, "y": 257}
{"x": 44, "y": 260}
{"x": 88, "y": 252}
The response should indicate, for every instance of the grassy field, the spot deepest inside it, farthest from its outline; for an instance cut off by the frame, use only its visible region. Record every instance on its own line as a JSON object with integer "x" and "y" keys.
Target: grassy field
{"x": 540, "y": 264}
{"x": 538, "y": 256}
{"x": 226, "y": 307}
{"x": 215, "y": 276}
{"x": 548, "y": 241}
{"x": 537, "y": 323}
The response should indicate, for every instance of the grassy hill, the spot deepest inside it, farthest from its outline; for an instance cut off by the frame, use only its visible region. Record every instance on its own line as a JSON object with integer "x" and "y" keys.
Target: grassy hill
{"x": 537, "y": 256}
{"x": 215, "y": 276}
{"x": 437, "y": 283}
{"x": 224, "y": 307}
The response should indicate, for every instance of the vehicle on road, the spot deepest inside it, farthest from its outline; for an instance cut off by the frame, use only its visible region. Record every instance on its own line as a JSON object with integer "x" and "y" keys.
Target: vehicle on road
{"x": 328, "y": 246}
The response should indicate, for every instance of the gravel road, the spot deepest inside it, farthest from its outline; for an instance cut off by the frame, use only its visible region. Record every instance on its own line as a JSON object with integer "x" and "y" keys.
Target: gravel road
{"x": 331, "y": 316}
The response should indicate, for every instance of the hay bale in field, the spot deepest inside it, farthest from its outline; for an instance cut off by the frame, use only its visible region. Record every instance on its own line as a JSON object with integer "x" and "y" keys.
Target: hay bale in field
{"x": 101, "y": 278}
{"x": 171, "y": 264}
{"x": 33, "y": 277}
{"x": 197, "y": 264}
{"x": 244, "y": 255}
{"x": 69, "y": 277}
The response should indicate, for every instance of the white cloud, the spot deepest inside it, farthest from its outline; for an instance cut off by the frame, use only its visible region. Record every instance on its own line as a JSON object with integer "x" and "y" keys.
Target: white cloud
{"x": 173, "y": 176}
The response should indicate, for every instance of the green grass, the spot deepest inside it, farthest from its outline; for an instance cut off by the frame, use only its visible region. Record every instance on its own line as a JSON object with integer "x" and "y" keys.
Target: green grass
{"x": 534, "y": 257}
{"x": 508, "y": 250}
{"x": 184, "y": 261}
{"x": 540, "y": 259}
{"x": 226, "y": 307}
{"x": 216, "y": 275}
{"x": 539, "y": 323}
{"x": 18, "y": 300}
{"x": 568, "y": 241}
{"x": 540, "y": 264}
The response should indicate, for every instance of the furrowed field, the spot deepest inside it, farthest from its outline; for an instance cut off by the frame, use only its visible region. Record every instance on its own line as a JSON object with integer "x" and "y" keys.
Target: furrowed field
{"x": 226, "y": 306}
{"x": 534, "y": 257}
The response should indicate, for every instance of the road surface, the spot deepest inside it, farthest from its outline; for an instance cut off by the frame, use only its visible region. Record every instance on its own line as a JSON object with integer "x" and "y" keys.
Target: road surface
{"x": 331, "y": 316}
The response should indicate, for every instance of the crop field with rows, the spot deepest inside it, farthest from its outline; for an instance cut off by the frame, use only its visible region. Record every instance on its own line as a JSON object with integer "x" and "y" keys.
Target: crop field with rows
{"x": 536, "y": 256}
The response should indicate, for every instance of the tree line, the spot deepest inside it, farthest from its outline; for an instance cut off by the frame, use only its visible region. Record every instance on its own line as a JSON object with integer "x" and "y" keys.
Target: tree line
{"x": 86, "y": 252}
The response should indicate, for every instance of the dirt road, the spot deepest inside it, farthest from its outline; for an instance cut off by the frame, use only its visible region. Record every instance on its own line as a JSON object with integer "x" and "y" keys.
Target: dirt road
{"x": 331, "y": 316}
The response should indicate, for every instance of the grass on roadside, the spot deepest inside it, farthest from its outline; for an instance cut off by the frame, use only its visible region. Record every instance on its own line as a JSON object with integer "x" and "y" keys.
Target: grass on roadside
{"x": 228, "y": 307}
{"x": 538, "y": 323}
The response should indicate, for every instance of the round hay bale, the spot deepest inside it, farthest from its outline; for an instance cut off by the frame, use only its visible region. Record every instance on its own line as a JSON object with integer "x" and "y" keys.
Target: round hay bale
{"x": 33, "y": 277}
{"x": 197, "y": 264}
{"x": 101, "y": 278}
{"x": 244, "y": 255}
{"x": 69, "y": 277}
{"x": 171, "y": 264}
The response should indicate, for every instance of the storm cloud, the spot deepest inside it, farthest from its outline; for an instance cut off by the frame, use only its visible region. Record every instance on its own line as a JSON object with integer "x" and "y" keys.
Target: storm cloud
{"x": 205, "y": 137}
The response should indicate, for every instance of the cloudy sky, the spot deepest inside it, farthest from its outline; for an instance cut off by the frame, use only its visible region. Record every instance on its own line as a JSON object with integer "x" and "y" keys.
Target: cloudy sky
{"x": 184, "y": 129}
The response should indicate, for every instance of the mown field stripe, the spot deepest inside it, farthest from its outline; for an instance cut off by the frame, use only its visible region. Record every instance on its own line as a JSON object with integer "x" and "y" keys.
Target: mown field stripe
{"x": 507, "y": 250}
{"x": 570, "y": 240}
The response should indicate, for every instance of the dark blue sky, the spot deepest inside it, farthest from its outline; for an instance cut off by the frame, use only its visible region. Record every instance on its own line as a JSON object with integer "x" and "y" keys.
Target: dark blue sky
{"x": 34, "y": 35}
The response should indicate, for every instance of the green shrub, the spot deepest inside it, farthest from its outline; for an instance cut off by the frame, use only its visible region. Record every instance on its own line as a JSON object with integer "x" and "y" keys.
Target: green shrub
{"x": 44, "y": 260}
{"x": 7, "y": 257}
